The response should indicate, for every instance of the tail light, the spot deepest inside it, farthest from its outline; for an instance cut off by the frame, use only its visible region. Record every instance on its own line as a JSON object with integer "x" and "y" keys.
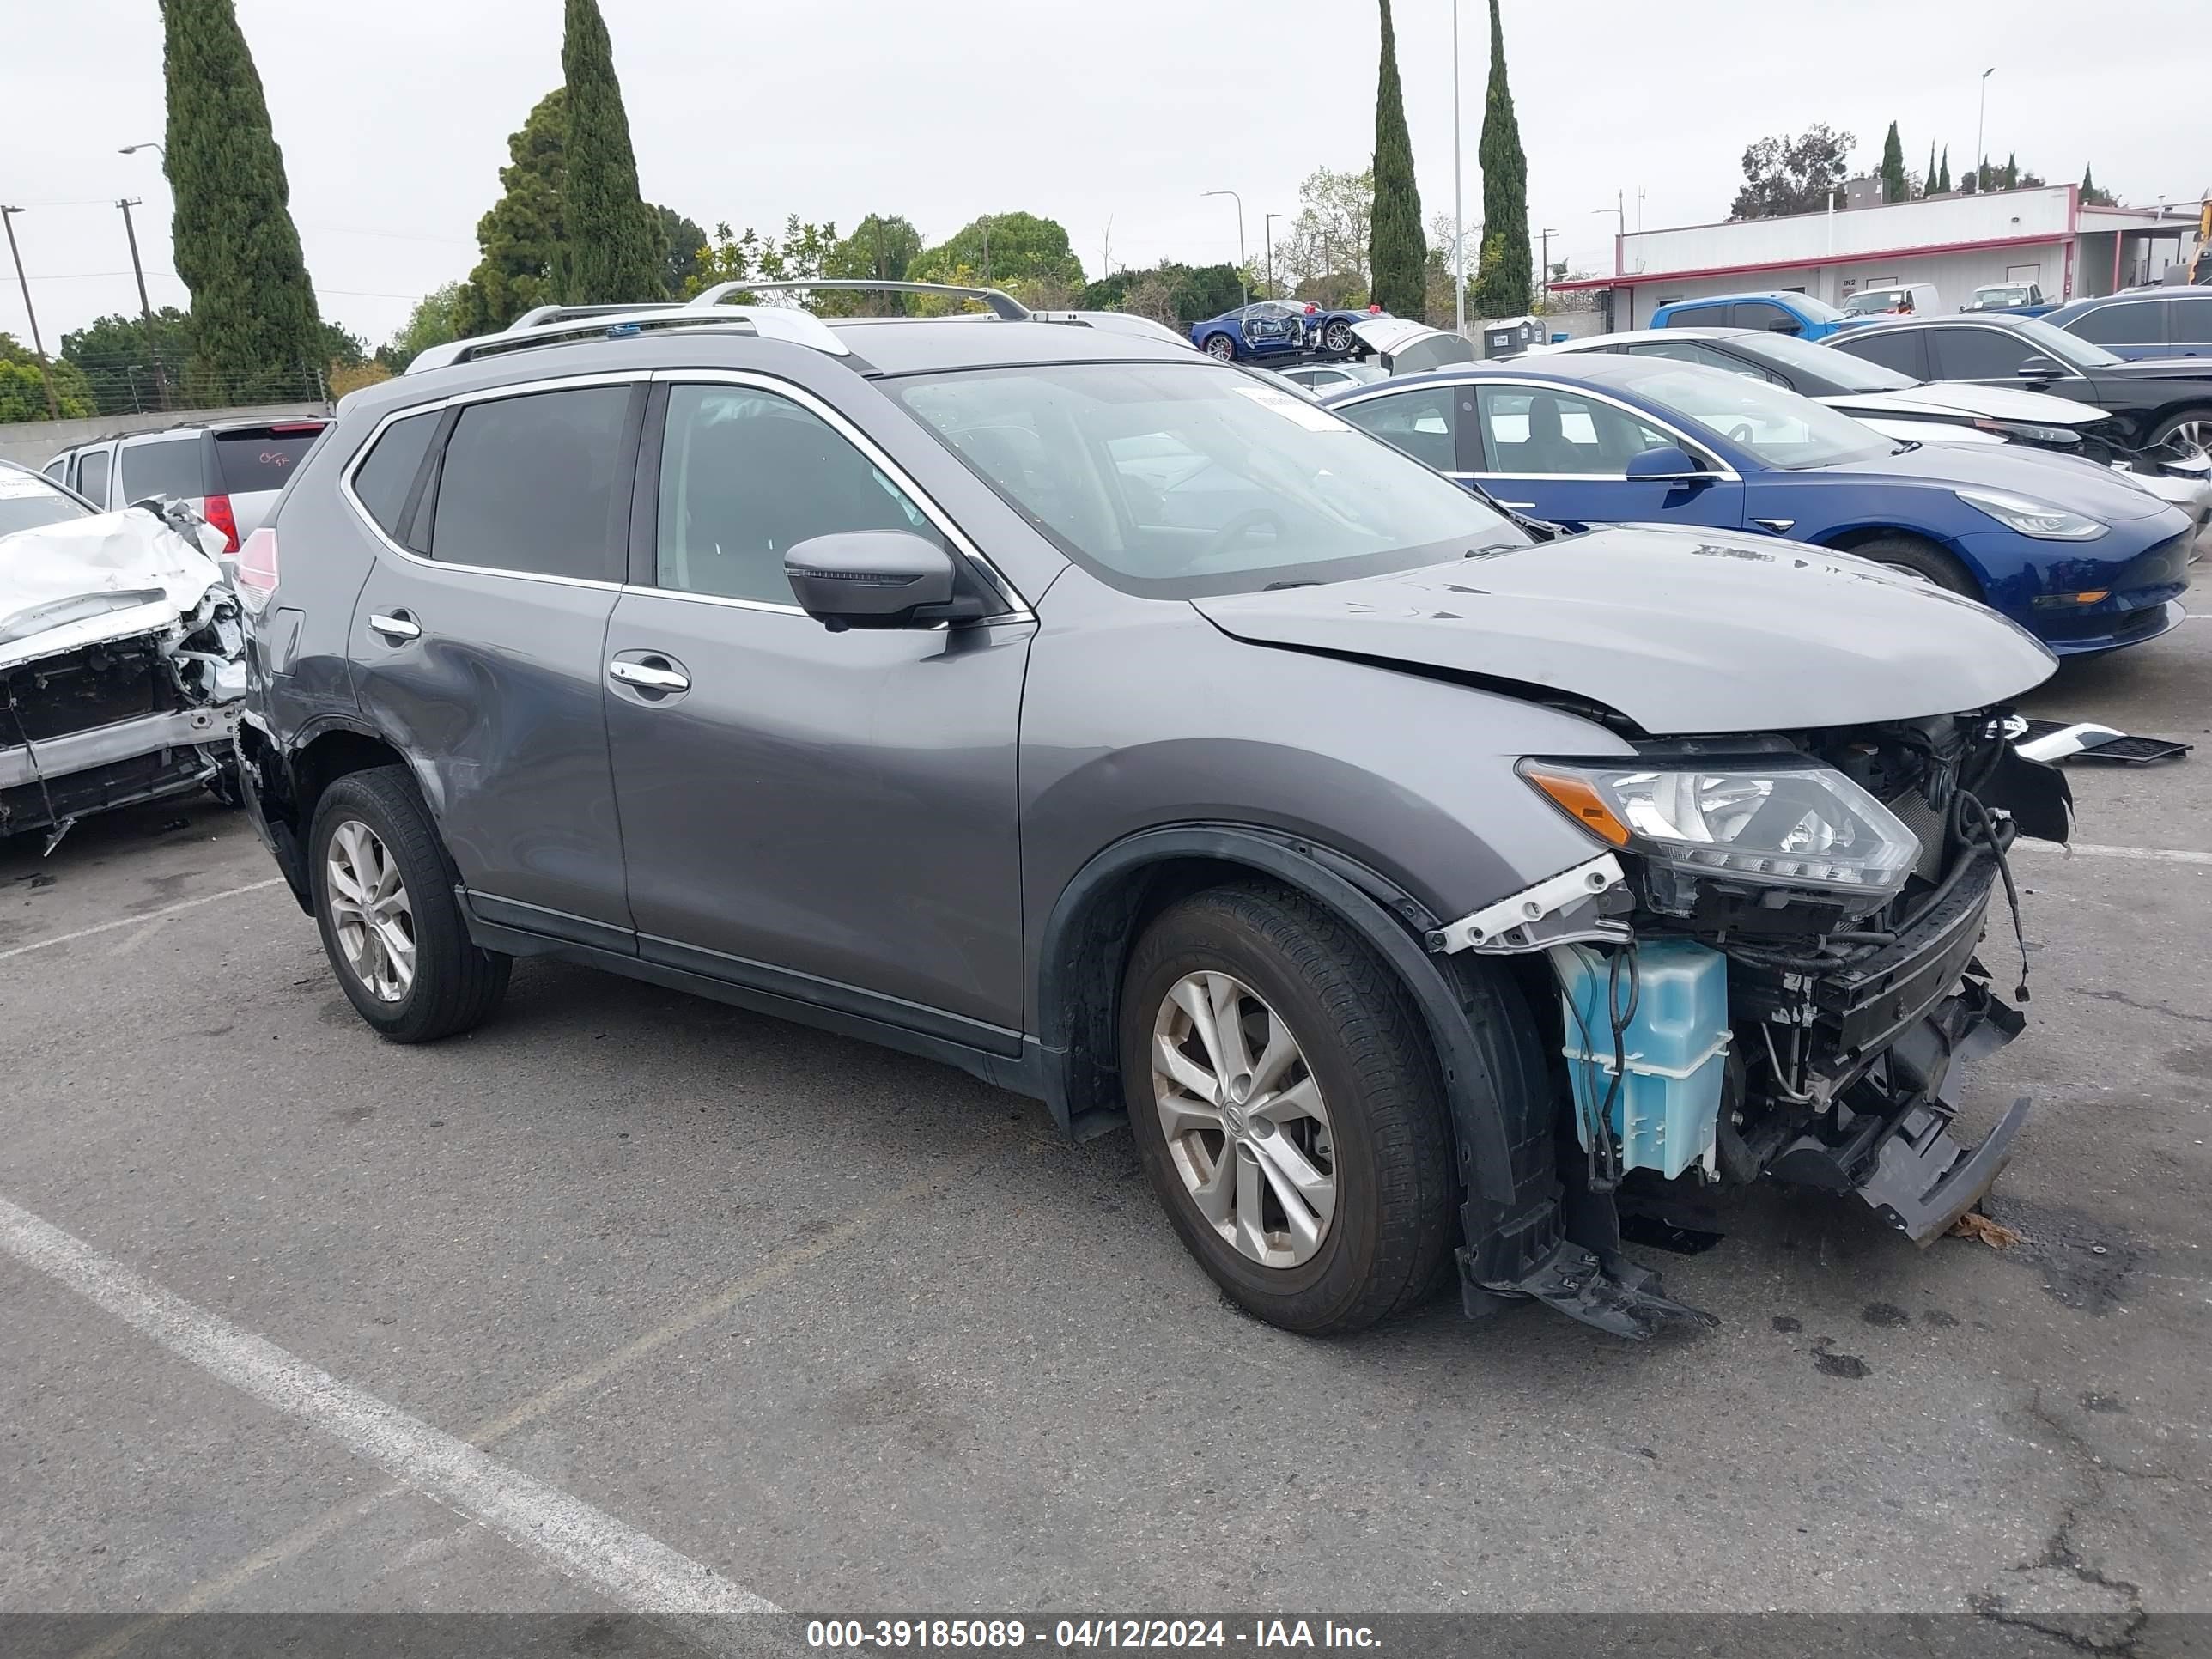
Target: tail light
{"x": 255, "y": 575}
{"x": 218, "y": 513}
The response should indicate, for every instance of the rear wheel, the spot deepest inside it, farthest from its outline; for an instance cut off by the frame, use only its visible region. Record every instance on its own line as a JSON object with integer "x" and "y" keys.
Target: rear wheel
{"x": 1908, "y": 556}
{"x": 1287, "y": 1108}
{"x": 1336, "y": 337}
{"x": 384, "y": 900}
{"x": 1220, "y": 346}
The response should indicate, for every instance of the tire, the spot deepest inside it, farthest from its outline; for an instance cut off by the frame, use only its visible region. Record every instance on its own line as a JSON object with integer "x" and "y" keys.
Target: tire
{"x": 374, "y": 824}
{"x": 1909, "y": 556}
{"x": 2194, "y": 424}
{"x": 1336, "y": 337}
{"x": 1379, "y": 1140}
{"x": 1220, "y": 347}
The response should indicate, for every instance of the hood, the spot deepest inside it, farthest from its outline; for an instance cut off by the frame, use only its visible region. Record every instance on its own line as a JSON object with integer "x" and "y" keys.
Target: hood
{"x": 1999, "y": 402}
{"x": 1684, "y": 631}
{"x": 106, "y": 577}
{"x": 2160, "y": 368}
{"x": 2096, "y": 491}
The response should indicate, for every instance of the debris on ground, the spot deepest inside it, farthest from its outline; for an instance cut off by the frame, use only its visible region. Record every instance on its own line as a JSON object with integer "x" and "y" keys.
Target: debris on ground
{"x": 1975, "y": 1225}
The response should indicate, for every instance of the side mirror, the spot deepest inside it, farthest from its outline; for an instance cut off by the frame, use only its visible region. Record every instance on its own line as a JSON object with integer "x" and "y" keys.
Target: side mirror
{"x": 2038, "y": 368}
{"x": 871, "y": 579}
{"x": 1786, "y": 326}
{"x": 1668, "y": 464}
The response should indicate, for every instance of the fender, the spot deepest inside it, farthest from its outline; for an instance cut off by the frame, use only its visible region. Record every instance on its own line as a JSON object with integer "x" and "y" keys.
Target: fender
{"x": 1482, "y": 1036}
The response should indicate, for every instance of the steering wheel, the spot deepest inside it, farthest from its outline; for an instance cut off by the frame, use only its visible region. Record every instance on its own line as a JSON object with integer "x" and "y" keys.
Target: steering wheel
{"x": 1740, "y": 432}
{"x": 1239, "y": 527}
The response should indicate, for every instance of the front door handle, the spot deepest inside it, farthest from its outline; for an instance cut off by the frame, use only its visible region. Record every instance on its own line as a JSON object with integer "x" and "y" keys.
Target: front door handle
{"x": 1518, "y": 506}
{"x": 645, "y": 675}
{"x": 398, "y": 627}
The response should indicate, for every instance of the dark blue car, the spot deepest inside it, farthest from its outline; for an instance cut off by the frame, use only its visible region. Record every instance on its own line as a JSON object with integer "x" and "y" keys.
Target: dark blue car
{"x": 2082, "y": 558}
{"x": 1278, "y": 328}
{"x": 2173, "y": 322}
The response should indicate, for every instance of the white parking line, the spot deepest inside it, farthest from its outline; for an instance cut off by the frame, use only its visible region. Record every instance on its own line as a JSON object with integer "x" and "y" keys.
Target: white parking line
{"x": 2090, "y": 849}
{"x": 139, "y": 921}
{"x": 639, "y": 1571}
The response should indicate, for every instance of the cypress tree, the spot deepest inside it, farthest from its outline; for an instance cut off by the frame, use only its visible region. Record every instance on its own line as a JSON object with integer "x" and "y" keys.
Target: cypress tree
{"x": 1397, "y": 249}
{"x": 1927, "y": 179}
{"x": 1502, "y": 285}
{"x": 1943, "y": 176}
{"x": 615, "y": 246}
{"x": 255, "y": 333}
{"x": 1892, "y": 167}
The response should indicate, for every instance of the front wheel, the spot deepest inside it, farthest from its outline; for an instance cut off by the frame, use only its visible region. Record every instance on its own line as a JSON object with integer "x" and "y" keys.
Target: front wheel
{"x": 2192, "y": 426}
{"x": 391, "y": 925}
{"x": 1908, "y": 556}
{"x": 1287, "y": 1108}
{"x": 1336, "y": 337}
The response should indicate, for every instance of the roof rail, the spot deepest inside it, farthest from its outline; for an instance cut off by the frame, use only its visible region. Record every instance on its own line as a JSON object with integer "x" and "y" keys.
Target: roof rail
{"x": 769, "y": 322}
{"x": 538, "y": 316}
{"x": 1002, "y": 303}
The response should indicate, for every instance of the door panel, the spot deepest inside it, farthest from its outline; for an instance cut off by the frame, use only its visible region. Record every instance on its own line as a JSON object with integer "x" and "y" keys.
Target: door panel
{"x": 1564, "y": 456}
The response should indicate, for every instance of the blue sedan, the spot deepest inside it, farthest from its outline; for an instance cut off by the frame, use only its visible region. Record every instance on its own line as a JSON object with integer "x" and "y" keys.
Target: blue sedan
{"x": 2082, "y": 558}
{"x": 1278, "y": 328}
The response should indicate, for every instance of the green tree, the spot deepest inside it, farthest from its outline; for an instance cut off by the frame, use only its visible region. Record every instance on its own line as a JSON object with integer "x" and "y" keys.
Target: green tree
{"x": 1001, "y": 247}
{"x": 799, "y": 253}
{"x": 685, "y": 243}
{"x": 1894, "y": 187}
{"x": 1943, "y": 176}
{"x": 613, "y": 238}
{"x": 1502, "y": 278}
{"x": 882, "y": 245}
{"x": 1396, "y": 251}
{"x": 1927, "y": 179}
{"x": 255, "y": 331}
{"x": 1785, "y": 175}
{"x": 117, "y": 359}
{"x": 1324, "y": 255}
{"x": 23, "y": 387}
{"x": 523, "y": 237}
{"x": 343, "y": 347}
{"x": 438, "y": 318}
{"x": 2093, "y": 196}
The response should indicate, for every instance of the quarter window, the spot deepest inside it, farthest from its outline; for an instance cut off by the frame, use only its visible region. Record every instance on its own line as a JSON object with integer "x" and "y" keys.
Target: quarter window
{"x": 1419, "y": 422}
{"x": 2188, "y": 320}
{"x": 386, "y": 479}
{"x": 1533, "y": 431}
{"x": 745, "y": 475}
{"x": 2133, "y": 323}
{"x": 535, "y": 483}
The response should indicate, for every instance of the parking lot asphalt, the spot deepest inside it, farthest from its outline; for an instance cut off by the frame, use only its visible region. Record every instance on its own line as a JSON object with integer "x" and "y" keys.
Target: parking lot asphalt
{"x": 856, "y": 1334}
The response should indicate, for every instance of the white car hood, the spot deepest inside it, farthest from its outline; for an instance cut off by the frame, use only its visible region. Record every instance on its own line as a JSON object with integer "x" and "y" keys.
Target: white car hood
{"x": 1999, "y": 402}
{"x": 132, "y": 553}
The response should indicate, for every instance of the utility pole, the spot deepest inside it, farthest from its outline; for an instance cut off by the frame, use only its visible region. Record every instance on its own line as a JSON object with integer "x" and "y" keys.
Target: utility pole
{"x": 145, "y": 309}
{"x": 987, "y": 250}
{"x": 1242, "y": 281}
{"x": 1981, "y": 121}
{"x": 1268, "y": 236}
{"x": 53, "y": 406}
{"x": 1544, "y": 276}
{"x": 1458, "y": 205}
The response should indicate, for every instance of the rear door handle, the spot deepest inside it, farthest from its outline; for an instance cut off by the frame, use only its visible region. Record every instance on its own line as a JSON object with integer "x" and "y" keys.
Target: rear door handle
{"x": 1518, "y": 506}
{"x": 398, "y": 627}
{"x": 645, "y": 675}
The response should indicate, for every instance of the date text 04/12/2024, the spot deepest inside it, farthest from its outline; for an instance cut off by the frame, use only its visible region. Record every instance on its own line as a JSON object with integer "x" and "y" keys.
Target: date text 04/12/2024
{"x": 1259, "y": 1635}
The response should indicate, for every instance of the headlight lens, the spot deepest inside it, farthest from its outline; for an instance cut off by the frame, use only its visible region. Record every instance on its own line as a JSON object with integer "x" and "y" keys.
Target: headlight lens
{"x": 1803, "y": 826}
{"x": 2030, "y": 518}
{"x": 2028, "y": 432}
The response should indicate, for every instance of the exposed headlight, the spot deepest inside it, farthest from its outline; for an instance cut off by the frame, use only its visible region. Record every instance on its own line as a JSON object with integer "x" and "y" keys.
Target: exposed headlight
{"x": 2031, "y": 518}
{"x": 1788, "y": 826}
{"x": 2029, "y": 433}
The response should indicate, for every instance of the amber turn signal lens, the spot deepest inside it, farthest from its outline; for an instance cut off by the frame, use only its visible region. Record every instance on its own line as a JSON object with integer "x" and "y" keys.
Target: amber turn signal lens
{"x": 1579, "y": 801}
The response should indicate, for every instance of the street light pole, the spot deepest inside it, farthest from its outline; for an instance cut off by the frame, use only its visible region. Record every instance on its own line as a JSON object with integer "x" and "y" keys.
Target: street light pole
{"x": 1267, "y": 237}
{"x": 53, "y": 406}
{"x": 1981, "y": 119}
{"x": 1243, "y": 282}
{"x": 1459, "y": 203}
{"x": 145, "y": 307}
{"x": 1544, "y": 276}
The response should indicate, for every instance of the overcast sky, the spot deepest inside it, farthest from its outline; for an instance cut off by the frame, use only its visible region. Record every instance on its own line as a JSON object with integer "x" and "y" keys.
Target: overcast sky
{"x": 394, "y": 115}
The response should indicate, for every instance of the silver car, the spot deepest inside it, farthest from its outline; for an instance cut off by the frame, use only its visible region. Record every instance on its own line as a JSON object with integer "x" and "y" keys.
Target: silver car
{"x": 228, "y": 472}
{"x": 1064, "y": 706}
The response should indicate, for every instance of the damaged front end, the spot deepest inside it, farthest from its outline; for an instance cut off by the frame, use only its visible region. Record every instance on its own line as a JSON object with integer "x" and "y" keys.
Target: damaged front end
{"x": 1773, "y": 973}
{"x": 121, "y": 668}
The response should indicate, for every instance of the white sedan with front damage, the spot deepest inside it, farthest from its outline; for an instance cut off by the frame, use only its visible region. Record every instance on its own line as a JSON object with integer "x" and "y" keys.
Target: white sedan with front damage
{"x": 122, "y": 660}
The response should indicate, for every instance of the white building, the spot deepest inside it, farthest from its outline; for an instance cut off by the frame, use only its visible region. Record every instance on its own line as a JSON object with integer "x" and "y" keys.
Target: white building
{"x": 2044, "y": 235}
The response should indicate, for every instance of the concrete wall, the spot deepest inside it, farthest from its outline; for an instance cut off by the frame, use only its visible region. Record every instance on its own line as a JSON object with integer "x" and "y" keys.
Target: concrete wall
{"x": 33, "y": 443}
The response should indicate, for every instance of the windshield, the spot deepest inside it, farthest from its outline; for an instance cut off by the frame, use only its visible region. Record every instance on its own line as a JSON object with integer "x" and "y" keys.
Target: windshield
{"x": 1875, "y": 299}
{"x": 29, "y": 502}
{"x": 1779, "y": 426}
{"x": 1181, "y": 480}
{"x": 2001, "y": 296}
{"x": 2067, "y": 348}
{"x": 1825, "y": 363}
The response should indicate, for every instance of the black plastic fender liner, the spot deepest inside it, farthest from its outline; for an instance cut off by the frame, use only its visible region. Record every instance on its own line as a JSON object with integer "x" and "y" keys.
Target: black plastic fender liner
{"x": 1484, "y": 1036}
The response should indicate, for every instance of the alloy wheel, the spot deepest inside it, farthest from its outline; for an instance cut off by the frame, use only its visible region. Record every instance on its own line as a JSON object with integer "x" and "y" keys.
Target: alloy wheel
{"x": 370, "y": 914}
{"x": 1221, "y": 346}
{"x": 1336, "y": 337}
{"x": 2198, "y": 432}
{"x": 1243, "y": 1119}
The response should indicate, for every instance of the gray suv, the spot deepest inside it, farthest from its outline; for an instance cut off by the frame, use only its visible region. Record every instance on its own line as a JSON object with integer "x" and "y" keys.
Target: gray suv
{"x": 1430, "y": 894}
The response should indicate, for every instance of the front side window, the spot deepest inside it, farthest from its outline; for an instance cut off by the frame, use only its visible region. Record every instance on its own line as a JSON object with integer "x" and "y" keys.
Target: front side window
{"x": 1979, "y": 354}
{"x": 1419, "y": 422}
{"x": 92, "y": 475}
{"x": 1763, "y": 314}
{"x": 1536, "y": 430}
{"x": 745, "y": 475}
{"x": 29, "y": 502}
{"x": 2137, "y": 323}
{"x": 1176, "y": 480}
{"x": 535, "y": 483}
{"x": 168, "y": 470}
{"x": 1779, "y": 426}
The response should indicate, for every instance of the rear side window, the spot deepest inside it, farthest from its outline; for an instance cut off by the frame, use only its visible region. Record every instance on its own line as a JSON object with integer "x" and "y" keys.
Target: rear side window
{"x": 169, "y": 468}
{"x": 1421, "y": 422}
{"x": 262, "y": 460}
{"x": 534, "y": 483}
{"x": 1696, "y": 316}
{"x": 1904, "y": 349}
{"x": 2131, "y": 324}
{"x": 92, "y": 477}
{"x": 2188, "y": 320}
{"x": 385, "y": 480}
